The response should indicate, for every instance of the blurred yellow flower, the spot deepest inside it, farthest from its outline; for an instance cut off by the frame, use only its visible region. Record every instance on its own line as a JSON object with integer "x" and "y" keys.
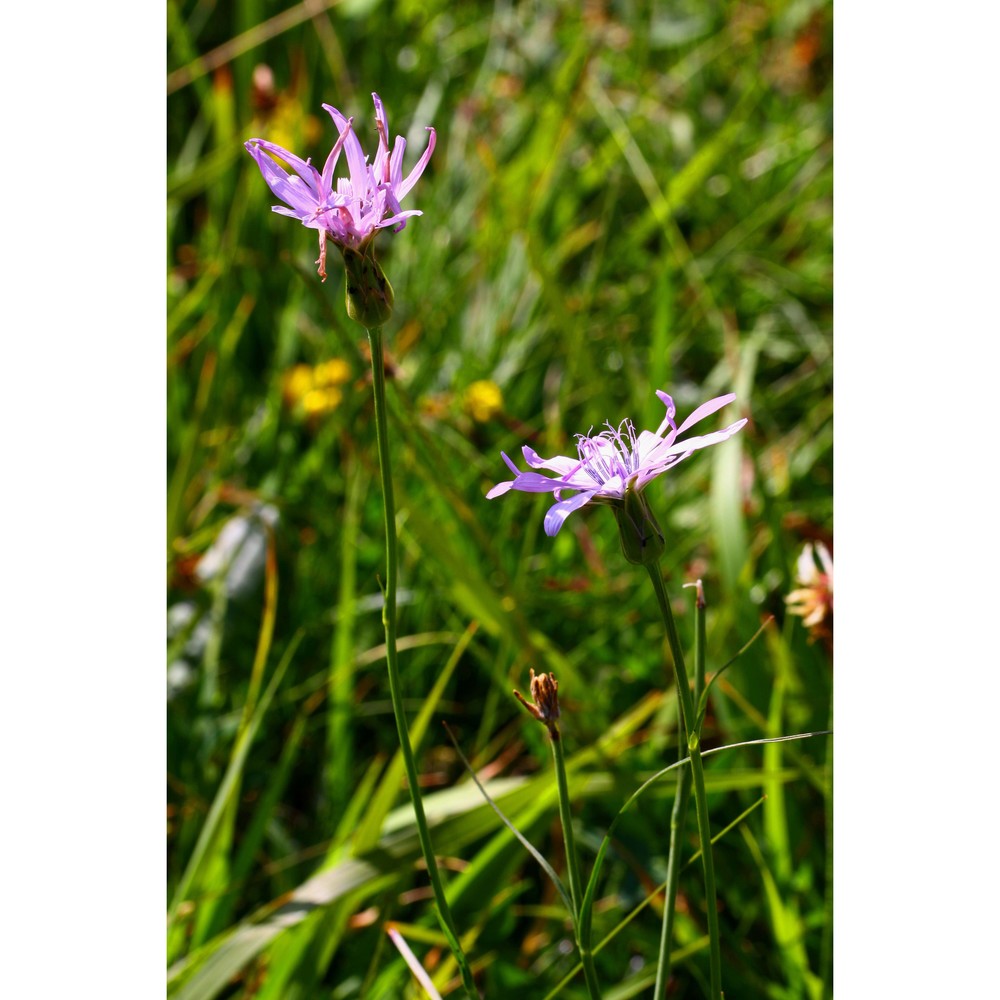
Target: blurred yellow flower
{"x": 483, "y": 401}
{"x": 295, "y": 383}
{"x": 312, "y": 391}
{"x": 319, "y": 401}
{"x": 332, "y": 372}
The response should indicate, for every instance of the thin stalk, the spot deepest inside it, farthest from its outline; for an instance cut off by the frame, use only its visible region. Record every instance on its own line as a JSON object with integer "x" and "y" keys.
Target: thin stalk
{"x": 573, "y": 864}
{"x": 693, "y": 740}
{"x": 699, "y": 645}
{"x": 826, "y": 942}
{"x": 678, "y": 815}
{"x": 678, "y": 818}
{"x": 389, "y": 621}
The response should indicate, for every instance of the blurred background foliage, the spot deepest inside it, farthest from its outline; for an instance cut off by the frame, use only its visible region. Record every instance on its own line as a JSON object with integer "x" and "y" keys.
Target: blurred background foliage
{"x": 624, "y": 197}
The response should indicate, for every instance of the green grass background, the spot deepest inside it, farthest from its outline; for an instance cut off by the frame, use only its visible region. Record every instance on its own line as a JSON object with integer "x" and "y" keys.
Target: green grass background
{"x": 624, "y": 197}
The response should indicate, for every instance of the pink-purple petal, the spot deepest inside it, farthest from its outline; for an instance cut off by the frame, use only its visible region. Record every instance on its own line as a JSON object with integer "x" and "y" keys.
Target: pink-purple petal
{"x": 613, "y": 487}
{"x": 331, "y": 160}
{"x": 293, "y": 192}
{"x": 706, "y": 409}
{"x": 532, "y": 482}
{"x": 399, "y": 219}
{"x": 292, "y": 213}
{"x": 555, "y": 516}
{"x": 692, "y": 444}
{"x": 560, "y": 464}
{"x": 421, "y": 165}
{"x": 510, "y": 463}
{"x": 356, "y": 165}
{"x": 396, "y": 164}
{"x": 309, "y": 174}
{"x": 613, "y": 461}
{"x": 348, "y": 210}
{"x": 668, "y": 420}
{"x": 380, "y": 115}
{"x": 645, "y": 445}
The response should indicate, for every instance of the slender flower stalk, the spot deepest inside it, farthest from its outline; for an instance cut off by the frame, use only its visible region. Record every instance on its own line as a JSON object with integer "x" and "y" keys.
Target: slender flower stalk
{"x": 678, "y": 821}
{"x": 678, "y": 815}
{"x": 389, "y": 622}
{"x": 350, "y": 212}
{"x": 544, "y": 706}
{"x": 693, "y": 738}
{"x": 699, "y": 640}
{"x": 613, "y": 468}
{"x": 573, "y": 864}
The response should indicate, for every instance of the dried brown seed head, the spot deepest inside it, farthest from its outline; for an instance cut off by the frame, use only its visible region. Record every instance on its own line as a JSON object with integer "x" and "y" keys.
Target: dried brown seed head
{"x": 545, "y": 695}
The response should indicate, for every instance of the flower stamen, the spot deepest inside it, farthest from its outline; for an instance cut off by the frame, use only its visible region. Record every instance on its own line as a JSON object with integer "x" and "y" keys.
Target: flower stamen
{"x": 321, "y": 262}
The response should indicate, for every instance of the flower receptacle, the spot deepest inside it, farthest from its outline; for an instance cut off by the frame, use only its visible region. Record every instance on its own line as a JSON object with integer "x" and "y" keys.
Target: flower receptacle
{"x": 369, "y": 295}
{"x": 642, "y": 539}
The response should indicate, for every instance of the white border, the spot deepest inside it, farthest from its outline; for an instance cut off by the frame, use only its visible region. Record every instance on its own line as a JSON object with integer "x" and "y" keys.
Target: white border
{"x": 82, "y": 722}
{"x": 917, "y": 505}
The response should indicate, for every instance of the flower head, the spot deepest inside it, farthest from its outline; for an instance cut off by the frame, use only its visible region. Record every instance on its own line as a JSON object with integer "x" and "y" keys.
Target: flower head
{"x": 615, "y": 465}
{"x": 813, "y": 600}
{"x": 348, "y": 210}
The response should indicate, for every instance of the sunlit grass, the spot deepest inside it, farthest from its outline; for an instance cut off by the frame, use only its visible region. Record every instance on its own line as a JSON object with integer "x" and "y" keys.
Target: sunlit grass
{"x": 618, "y": 202}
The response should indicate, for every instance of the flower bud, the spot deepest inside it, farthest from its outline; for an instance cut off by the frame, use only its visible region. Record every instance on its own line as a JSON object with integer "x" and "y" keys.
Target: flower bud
{"x": 545, "y": 696}
{"x": 368, "y": 292}
{"x": 642, "y": 539}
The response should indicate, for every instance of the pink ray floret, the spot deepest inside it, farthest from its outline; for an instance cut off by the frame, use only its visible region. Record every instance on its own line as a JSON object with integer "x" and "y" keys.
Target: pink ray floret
{"x": 347, "y": 210}
{"x": 613, "y": 461}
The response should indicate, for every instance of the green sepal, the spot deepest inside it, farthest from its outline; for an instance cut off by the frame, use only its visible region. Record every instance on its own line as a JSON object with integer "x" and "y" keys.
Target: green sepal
{"x": 642, "y": 539}
{"x": 369, "y": 295}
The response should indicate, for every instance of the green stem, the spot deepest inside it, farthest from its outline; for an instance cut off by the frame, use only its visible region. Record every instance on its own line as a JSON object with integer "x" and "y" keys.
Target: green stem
{"x": 693, "y": 740}
{"x": 573, "y": 864}
{"x": 699, "y": 645}
{"x": 826, "y": 942}
{"x": 389, "y": 621}
{"x": 678, "y": 820}
{"x": 678, "y": 816}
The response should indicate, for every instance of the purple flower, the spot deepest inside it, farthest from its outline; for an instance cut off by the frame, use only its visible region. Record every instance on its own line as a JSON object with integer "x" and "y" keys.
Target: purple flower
{"x": 614, "y": 462}
{"x": 350, "y": 210}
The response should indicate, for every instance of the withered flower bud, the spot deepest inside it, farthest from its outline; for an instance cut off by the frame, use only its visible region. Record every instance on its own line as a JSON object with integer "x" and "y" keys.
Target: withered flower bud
{"x": 545, "y": 695}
